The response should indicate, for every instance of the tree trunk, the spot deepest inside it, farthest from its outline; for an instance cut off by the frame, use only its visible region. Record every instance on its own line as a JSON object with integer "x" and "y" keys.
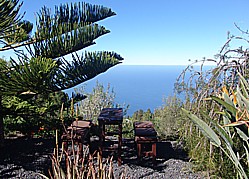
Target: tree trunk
{"x": 1, "y": 124}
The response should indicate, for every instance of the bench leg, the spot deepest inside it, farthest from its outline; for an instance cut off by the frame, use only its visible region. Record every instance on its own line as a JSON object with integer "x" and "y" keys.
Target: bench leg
{"x": 139, "y": 151}
{"x": 65, "y": 146}
{"x": 80, "y": 150}
{"x": 154, "y": 153}
{"x": 148, "y": 153}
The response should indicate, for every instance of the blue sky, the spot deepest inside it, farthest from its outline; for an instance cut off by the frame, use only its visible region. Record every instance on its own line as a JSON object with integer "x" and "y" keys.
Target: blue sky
{"x": 163, "y": 32}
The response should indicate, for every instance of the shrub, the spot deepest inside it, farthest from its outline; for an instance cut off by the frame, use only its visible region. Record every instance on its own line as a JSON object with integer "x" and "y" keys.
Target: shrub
{"x": 168, "y": 119}
{"x": 98, "y": 99}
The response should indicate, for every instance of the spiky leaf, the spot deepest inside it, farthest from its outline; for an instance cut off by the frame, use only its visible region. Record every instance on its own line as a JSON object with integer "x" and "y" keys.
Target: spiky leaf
{"x": 226, "y": 105}
{"x": 206, "y": 130}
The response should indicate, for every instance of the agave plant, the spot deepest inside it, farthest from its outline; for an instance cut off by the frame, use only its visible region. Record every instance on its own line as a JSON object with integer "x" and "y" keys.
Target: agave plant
{"x": 235, "y": 119}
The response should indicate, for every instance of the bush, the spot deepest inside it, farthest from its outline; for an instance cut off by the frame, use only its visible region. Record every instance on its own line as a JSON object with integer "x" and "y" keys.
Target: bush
{"x": 168, "y": 119}
{"x": 98, "y": 99}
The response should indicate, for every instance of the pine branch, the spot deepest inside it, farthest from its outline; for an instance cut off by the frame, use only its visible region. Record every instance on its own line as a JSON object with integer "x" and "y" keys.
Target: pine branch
{"x": 42, "y": 75}
{"x": 9, "y": 47}
{"x": 75, "y": 40}
{"x": 9, "y": 16}
{"x": 71, "y": 28}
{"x": 32, "y": 76}
{"x": 85, "y": 68}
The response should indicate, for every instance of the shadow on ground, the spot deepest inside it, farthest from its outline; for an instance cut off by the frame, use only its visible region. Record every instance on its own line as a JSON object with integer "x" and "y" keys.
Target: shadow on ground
{"x": 165, "y": 151}
{"x": 27, "y": 154}
{"x": 34, "y": 155}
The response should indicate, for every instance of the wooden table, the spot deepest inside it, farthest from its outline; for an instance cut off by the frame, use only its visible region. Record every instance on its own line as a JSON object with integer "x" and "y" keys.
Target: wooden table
{"x": 111, "y": 116}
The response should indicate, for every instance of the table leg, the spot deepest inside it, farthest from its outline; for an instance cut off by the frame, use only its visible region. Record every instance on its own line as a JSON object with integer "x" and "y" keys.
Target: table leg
{"x": 101, "y": 137}
{"x": 119, "y": 144}
{"x": 101, "y": 130}
{"x": 139, "y": 151}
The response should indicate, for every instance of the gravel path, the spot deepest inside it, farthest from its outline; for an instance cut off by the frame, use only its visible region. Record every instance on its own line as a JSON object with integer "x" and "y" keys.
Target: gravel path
{"x": 172, "y": 168}
{"x": 25, "y": 158}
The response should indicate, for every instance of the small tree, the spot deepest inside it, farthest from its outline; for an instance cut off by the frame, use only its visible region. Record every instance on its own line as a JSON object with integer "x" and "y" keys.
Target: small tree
{"x": 42, "y": 68}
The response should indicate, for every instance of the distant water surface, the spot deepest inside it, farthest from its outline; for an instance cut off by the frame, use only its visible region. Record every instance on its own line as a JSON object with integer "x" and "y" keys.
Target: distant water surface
{"x": 142, "y": 87}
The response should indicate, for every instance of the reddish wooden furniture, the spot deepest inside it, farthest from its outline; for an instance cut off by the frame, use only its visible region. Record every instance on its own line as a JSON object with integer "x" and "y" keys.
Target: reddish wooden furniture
{"x": 145, "y": 134}
{"x": 112, "y": 117}
{"x": 78, "y": 133}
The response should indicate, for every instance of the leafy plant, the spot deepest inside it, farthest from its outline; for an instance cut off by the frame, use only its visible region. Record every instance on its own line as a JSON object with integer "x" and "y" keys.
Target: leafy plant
{"x": 199, "y": 82}
{"x": 168, "y": 119}
{"x": 235, "y": 114}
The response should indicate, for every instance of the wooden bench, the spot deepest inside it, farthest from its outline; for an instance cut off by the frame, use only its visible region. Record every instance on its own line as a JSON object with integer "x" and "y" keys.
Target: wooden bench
{"x": 145, "y": 134}
{"x": 78, "y": 133}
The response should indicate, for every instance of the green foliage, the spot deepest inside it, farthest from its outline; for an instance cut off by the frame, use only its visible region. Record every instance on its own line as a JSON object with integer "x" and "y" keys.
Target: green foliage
{"x": 216, "y": 140}
{"x": 34, "y": 113}
{"x": 168, "y": 119}
{"x": 100, "y": 98}
{"x": 41, "y": 69}
{"x": 95, "y": 101}
{"x": 31, "y": 76}
{"x": 234, "y": 112}
{"x": 206, "y": 130}
{"x": 140, "y": 115}
{"x": 19, "y": 33}
{"x": 69, "y": 29}
{"x": 9, "y": 16}
{"x": 224, "y": 112}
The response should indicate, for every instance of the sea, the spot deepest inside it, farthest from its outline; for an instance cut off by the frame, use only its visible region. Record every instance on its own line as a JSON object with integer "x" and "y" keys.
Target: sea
{"x": 139, "y": 86}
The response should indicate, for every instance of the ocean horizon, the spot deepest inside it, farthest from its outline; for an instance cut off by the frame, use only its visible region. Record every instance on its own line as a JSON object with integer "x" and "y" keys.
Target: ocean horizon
{"x": 139, "y": 86}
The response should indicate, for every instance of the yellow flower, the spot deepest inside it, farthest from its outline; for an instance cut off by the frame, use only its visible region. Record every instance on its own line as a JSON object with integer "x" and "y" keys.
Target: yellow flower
{"x": 234, "y": 98}
{"x": 224, "y": 89}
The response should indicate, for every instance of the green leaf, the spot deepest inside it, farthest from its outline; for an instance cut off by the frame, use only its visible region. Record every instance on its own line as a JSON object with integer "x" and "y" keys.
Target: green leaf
{"x": 245, "y": 85}
{"x": 236, "y": 162}
{"x": 85, "y": 67}
{"x": 242, "y": 99}
{"x": 242, "y": 134}
{"x": 9, "y": 17}
{"x": 221, "y": 131}
{"x": 226, "y": 105}
{"x": 206, "y": 130}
